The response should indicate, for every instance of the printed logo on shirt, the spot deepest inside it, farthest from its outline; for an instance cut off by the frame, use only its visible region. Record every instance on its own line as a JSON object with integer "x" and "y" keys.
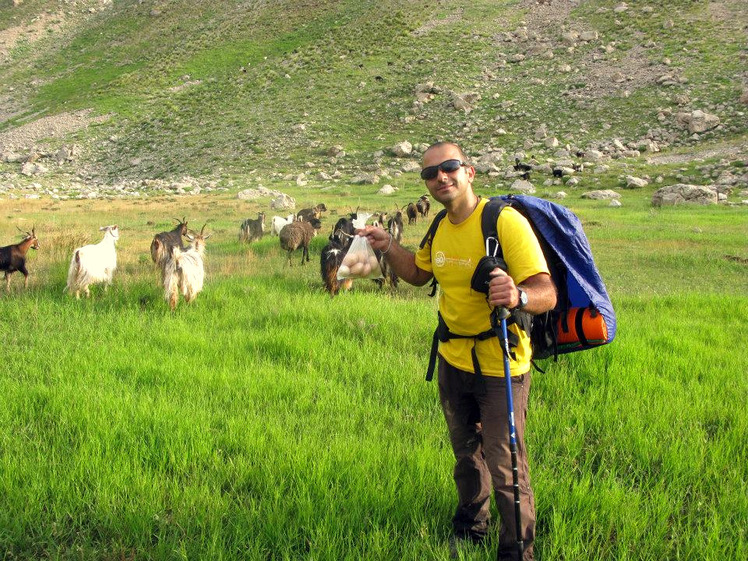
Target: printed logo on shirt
{"x": 441, "y": 260}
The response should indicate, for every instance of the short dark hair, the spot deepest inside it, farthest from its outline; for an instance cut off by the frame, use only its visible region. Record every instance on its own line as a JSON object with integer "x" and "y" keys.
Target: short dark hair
{"x": 446, "y": 143}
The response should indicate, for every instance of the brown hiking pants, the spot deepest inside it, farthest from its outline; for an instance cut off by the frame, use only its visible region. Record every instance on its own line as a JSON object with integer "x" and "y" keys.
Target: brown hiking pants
{"x": 478, "y": 426}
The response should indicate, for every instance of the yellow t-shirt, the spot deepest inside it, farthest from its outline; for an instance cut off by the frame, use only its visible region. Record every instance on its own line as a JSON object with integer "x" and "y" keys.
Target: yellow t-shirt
{"x": 452, "y": 257}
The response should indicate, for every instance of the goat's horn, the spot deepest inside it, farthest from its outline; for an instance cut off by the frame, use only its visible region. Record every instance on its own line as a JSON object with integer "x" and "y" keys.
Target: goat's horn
{"x": 203, "y": 228}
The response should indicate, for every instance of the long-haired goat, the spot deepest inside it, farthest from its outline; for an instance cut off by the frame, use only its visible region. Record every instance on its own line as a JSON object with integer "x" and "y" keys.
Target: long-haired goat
{"x": 412, "y": 213}
{"x": 395, "y": 228}
{"x": 332, "y": 256}
{"x": 277, "y": 223}
{"x": 13, "y": 258}
{"x": 163, "y": 242}
{"x": 252, "y": 228}
{"x": 94, "y": 263}
{"x": 423, "y": 206}
{"x": 184, "y": 272}
{"x": 298, "y": 235}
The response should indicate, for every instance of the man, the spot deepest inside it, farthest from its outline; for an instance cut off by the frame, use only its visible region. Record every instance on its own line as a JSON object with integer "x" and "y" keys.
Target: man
{"x": 474, "y": 406}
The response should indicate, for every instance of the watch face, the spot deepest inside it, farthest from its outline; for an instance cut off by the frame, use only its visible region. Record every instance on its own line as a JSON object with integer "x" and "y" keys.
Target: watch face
{"x": 522, "y": 298}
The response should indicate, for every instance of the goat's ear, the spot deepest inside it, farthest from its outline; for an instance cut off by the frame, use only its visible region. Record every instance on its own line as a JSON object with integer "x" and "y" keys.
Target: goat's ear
{"x": 206, "y": 237}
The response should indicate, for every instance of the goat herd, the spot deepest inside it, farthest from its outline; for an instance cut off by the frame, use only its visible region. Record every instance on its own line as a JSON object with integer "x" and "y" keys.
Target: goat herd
{"x": 182, "y": 267}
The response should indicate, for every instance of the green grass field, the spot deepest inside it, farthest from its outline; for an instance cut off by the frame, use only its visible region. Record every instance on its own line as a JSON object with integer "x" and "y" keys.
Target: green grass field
{"x": 268, "y": 421}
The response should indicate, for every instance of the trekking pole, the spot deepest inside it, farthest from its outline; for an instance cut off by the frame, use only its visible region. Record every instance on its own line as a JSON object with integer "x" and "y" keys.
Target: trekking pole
{"x": 498, "y": 320}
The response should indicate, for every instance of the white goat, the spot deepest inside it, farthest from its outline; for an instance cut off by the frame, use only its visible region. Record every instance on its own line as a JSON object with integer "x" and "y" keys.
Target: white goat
{"x": 94, "y": 263}
{"x": 278, "y": 222}
{"x": 184, "y": 272}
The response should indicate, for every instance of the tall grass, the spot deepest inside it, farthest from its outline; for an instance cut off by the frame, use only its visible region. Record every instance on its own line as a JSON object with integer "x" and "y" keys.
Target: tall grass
{"x": 268, "y": 421}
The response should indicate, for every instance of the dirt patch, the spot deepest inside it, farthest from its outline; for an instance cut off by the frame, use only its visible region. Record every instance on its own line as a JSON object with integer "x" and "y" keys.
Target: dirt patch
{"x": 434, "y": 23}
{"x": 31, "y": 32}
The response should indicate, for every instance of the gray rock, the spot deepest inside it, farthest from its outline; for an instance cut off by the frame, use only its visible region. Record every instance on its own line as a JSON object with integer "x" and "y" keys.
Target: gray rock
{"x": 601, "y": 194}
{"x": 681, "y": 193}
{"x": 402, "y": 149}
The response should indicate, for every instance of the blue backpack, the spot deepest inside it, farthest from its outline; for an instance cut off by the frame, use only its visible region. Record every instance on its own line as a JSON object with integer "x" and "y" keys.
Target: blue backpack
{"x": 583, "y": 317}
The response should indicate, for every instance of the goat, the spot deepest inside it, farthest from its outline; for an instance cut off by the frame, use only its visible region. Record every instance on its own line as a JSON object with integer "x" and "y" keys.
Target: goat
{"x": 252, "y": 228}
{"x": 519, "y": 166}
{"x": 163, "y": 242}
{"x": 277, "y": 223}
{"x": 381, "y": 219}
{"x": 412, "y": 212}
{"x": 94, "y": 263}
{"x": 184, "y": 272}
{"x": 13, "y": 258}
{"x": 298, "y": 235}
{"x": 332, "y": 256}
{"x": 395, "y": 226}
{"x": 558, "y": 172}
{"x": 308, "y": 213}
{"x": 423, "y": 206}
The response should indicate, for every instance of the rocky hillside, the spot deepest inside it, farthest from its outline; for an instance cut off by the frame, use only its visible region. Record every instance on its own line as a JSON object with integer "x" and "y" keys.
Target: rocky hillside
{"x": 136, "y": 96}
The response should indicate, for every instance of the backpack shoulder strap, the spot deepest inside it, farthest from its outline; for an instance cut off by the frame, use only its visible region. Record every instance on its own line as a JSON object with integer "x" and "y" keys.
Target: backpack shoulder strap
{"x": 431, "y": 232}
{"x": 490, "y": 217}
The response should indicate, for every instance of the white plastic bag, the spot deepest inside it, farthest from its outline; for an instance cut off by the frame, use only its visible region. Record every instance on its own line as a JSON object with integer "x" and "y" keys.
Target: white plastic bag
{"x": 360, "y": 262}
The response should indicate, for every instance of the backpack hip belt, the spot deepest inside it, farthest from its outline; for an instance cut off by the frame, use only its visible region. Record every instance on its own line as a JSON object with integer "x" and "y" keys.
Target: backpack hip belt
{"x": 442, "y": 333}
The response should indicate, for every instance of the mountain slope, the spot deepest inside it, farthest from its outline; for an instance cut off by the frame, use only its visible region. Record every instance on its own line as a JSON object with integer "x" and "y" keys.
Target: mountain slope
{"x": 222, "y": 88}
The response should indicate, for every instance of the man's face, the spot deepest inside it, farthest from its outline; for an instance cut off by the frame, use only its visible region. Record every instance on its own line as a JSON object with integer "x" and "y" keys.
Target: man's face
{"x": 448, "y": 186}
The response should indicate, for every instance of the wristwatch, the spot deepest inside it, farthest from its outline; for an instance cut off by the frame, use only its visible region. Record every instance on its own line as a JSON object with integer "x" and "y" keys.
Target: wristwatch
{"x": 522, "y": 298}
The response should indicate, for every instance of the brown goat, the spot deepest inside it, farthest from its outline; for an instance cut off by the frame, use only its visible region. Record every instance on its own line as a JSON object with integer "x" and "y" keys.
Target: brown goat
{"x": 163, "y": 243}
{"x": 307, "y": 214}
{"x": 13, "y": 258}
{"x": 298, "y": 235}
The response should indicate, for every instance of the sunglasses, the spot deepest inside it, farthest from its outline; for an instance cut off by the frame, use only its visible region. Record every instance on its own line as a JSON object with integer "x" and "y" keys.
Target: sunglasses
{"x": 447, "y": 166}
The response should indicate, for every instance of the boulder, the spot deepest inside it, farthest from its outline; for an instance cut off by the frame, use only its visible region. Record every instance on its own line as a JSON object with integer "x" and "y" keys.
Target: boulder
{"x": 635, "y": 182}
{"x": 523, "y": 187}
{"x": 697, "y": 121}
{"x": 387, "y": 190}
{"x": 402, "y": 149}
{"x": 601, "y": 194}
{"x": 683, "y": 193}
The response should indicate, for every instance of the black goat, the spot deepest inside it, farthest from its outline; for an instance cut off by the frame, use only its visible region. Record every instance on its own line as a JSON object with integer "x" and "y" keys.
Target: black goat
{"x": 412, "y": 213}
{"x": 558, "y": 172}
{"x": 252, "y": 228}
{"x": 164, "y": 242}
{"x": 13, "y": 258}
{"x": 519, "y": 166}
{"x": 332, "y": 256}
